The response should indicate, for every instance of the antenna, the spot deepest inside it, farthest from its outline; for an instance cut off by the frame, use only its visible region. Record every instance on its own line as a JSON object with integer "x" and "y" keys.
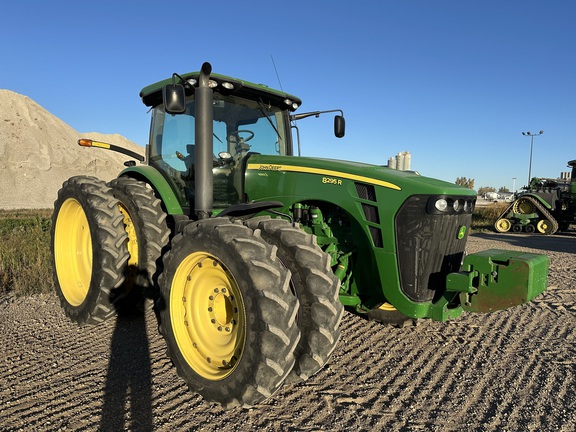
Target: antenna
{"x": 276, "y": 70}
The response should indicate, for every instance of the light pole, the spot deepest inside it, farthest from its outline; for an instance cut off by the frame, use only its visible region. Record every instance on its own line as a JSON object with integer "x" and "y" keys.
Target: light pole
{"x": 513, "y": 185}
{"x": 531, "y": 135}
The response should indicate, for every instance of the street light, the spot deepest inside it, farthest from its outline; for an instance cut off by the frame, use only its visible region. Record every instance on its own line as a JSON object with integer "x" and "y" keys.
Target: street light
{"x": 531, "y": 135}
{"x": 513, "y": 185}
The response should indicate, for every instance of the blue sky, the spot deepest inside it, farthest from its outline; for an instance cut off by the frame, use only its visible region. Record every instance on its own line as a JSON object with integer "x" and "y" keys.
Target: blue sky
{"x": 454, "y": 82}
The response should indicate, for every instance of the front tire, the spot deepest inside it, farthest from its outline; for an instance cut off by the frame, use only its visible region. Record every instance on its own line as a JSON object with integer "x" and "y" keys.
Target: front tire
{"x": 316, "y": 287}
{"x": 227, "y": 313}
{"x": 89, "y": 250}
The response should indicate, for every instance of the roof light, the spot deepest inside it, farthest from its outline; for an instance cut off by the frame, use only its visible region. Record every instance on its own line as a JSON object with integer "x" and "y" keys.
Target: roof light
{"x": 228, "y": 86}
{"x": 212, "y": 84}
{"x": 192, "y": 81}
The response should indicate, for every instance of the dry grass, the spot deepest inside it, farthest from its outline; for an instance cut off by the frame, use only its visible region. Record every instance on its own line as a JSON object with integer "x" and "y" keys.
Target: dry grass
{"x": 483, "y": 218}
{"x": 25, "y": 264}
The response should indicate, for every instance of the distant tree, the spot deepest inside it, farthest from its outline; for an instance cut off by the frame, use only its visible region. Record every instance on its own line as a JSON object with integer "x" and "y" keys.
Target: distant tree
{"x": 485, "y": 189}
{"x": 503, "y": 189}
{"x": 466, "y": 182}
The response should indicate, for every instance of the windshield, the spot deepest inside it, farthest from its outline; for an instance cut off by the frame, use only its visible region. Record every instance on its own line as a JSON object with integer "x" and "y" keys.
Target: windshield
{"x": 240, "y": 127}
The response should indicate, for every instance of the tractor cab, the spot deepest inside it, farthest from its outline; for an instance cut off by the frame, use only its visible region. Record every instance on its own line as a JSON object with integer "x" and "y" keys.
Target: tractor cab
{"x": 240, "y": 127}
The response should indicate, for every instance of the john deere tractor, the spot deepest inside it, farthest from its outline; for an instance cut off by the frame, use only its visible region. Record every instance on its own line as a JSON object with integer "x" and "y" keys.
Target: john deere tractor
{"x": 250, "y": 253}
{"x": 548, "y": 206}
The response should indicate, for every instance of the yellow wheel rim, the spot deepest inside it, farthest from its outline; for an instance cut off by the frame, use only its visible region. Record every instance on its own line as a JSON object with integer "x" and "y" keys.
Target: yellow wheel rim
{"x": 73, "y": 252}
{"x": 132, "y": 239}
{"x": 207, "y": 315}
{"x": 503, "y": 225}
{"x": 387, "y": 307}
{"x": 523, "y": 206}
{"x": 544, "y": 226}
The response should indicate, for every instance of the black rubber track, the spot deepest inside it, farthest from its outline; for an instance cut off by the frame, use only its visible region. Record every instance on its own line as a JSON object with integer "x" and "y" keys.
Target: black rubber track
{"x": 270, "y": 311}
{"x": 151, "y": 235}
{"x": 316, "y": 287}
{"x": 109, "y": 251}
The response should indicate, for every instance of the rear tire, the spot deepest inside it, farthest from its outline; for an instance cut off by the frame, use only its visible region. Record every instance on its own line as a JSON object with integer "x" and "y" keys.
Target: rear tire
{"x": 148, "y": 234}
{"x": 316, "y": 287}
{"x": 89, "y": 252}
{"x": 227, "y": 313}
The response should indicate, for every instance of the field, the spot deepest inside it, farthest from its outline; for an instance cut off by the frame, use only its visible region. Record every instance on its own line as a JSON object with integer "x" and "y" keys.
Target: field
{"x": 513, "y": 370}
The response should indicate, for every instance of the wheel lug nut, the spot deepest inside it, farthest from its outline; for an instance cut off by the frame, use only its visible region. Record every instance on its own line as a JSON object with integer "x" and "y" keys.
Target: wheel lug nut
{"x": 223, "y": 290}
{"x": 209, "y": 309}
{"x": 213, "y": 321}
{"x": 227, "y": 329}
{"x": 219, "y": 328}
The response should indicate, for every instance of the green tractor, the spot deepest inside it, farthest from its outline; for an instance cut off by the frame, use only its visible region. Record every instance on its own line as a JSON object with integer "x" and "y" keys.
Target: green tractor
{"x": 250, "y": 253}
{"x": 548, "y": 206}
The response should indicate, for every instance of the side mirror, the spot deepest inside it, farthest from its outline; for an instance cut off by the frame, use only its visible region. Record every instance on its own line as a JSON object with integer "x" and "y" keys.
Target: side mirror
{"x": 339, "y": 126}
{"x": 174, "y": 98}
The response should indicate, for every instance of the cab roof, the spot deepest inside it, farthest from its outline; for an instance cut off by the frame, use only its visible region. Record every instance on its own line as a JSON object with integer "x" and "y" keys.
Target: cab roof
{"x": 152, "y": 95}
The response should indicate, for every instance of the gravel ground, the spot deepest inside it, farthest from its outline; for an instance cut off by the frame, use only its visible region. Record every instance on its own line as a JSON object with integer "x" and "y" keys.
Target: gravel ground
{"x": 512, "y": 370}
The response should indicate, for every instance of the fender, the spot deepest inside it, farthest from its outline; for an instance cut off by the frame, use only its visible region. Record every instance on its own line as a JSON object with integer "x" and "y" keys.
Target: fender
{"x": 155, "y": 179}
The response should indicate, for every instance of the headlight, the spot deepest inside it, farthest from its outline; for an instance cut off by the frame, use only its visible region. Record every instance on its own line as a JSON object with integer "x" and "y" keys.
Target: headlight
{"x": 441, "y": 204}
{"x": 450, "y": 205}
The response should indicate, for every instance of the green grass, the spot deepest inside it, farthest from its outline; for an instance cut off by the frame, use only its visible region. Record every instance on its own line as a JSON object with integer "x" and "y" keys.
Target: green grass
{"x": 25, "y": 265}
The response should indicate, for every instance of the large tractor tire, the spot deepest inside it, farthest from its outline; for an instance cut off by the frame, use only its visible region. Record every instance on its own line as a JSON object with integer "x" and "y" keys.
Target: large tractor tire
{"x": 227, "y": 313}
{"x": 316, "y": 287}
{"x": 89, "y": 250}
{"x": 148, "y": 234}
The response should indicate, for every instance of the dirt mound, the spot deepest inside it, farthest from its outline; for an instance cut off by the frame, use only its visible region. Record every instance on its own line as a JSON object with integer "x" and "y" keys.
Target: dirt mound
{"x": 38, "y": 151}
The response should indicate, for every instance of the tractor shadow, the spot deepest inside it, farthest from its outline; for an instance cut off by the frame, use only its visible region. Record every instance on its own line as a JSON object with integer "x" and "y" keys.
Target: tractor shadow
{"x": 128, "y": 390}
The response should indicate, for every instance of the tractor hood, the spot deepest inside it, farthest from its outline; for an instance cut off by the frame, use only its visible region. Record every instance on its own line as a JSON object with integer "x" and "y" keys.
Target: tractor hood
{"x": 337, "y": 172}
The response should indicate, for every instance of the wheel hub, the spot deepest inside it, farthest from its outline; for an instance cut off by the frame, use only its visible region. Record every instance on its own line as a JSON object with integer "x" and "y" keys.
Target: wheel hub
{"x": 208, "y": 316}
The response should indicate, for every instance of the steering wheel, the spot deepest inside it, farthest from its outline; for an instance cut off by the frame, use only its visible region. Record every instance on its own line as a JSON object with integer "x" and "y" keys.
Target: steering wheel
{"x": 237, "y": 135}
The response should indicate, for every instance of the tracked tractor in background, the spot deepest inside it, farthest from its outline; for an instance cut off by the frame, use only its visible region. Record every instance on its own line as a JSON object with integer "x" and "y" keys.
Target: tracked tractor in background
{"x": 250, "y": 254}
{"x": 546, "y": 207}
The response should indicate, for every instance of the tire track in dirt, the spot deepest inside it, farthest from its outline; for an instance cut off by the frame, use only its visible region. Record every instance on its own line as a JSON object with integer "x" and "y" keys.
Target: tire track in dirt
{"x": 511, "y": 370}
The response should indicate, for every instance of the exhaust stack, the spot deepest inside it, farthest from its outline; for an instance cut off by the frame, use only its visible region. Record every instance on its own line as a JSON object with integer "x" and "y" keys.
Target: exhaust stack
{"x": 204, "y": 151}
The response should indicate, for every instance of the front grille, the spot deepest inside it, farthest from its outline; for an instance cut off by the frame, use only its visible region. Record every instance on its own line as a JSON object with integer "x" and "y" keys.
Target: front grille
{"x": 428, "y": 248}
